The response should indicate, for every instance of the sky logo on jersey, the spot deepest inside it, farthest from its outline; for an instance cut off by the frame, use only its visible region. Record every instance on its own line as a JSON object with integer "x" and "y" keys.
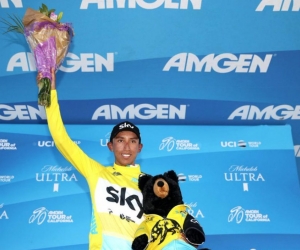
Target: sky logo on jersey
{"x": 281, "y": 112}
{"x": 8, "y": 4}
{"x": 85, "y": 62}
{"x": 279, "y": 5}
{"x": 125, "y": 202}
{"x": 148, "y": 5}
{"x": 222, "y": 63}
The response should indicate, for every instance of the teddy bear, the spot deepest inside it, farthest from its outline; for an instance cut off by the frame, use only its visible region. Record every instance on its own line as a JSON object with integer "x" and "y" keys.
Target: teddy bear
{"x": 167, "y": 224}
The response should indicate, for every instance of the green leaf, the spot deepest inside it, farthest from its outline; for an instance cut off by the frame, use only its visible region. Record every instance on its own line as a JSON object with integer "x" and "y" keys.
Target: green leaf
{"x": 18, "y": 21}
{"x": 15, "y": 25}
{"x": 59, "y": 16}
{"x": 45, "y": 8}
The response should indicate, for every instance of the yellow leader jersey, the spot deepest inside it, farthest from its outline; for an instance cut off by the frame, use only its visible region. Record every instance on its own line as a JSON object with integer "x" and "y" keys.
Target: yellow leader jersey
{"x": 162, "y": 231}
{"x": 116, "y": 198}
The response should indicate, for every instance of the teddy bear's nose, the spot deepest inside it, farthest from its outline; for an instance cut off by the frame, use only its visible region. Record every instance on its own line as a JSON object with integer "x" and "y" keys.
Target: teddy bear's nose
{"x": 160, "y": 183}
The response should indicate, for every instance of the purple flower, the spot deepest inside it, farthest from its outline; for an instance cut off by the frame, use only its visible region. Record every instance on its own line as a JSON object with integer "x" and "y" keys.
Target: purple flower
{"x": 45, "y": 56}
{"x": 53, "y": 16}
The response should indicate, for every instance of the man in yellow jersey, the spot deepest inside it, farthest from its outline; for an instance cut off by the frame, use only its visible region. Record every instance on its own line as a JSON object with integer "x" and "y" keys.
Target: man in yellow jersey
{"x": 116, "y": 198}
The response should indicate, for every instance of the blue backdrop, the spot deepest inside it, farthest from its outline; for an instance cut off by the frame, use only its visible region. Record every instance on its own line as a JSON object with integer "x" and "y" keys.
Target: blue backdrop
{"x": 176, "y": 65}
{"x": 239, "y": 181}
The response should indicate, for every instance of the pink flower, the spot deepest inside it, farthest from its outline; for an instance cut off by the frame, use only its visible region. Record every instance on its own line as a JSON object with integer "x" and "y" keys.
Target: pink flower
{"x": 53, "y": 16}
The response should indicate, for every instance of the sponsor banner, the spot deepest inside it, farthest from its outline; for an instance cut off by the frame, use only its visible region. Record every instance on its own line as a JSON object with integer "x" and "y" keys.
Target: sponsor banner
{"x": 183, "y": 19}
{"x": 180, "y": 63}
{"x": 43, "y": 216}
{"x": 183, "y": 76}
{"x": 229, "y": 176}
{"x": 161, "y": 111}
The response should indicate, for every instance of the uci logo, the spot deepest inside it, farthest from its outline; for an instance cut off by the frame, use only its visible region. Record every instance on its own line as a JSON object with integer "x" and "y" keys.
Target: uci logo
{"x": 230, "y": 144}
{"x": 46, "y": 143}
{"x": 233, "y": 144}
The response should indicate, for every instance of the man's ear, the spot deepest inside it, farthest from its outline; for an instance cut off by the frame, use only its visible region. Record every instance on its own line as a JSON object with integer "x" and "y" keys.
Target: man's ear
{"x": 143, "y": 179}
{"x": 140, "y": 147}
{"x": 110, "y": 146}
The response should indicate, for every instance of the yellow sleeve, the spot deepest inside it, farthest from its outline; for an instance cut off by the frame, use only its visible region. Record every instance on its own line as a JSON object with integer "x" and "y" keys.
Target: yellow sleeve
{"x": 63, "y": 142}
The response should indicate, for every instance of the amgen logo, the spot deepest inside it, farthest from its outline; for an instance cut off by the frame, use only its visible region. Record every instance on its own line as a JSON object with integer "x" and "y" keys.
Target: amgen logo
{"x": 279, "y": 5}
{"x": 86, "y": 62}
{"x": 281, "y": 112}
{"x": 297, "y": 150}
{"x": 16, "y": 3}
{"x": 223, "y": 63}
{"x": 21, "y": 112}
{"x": 142, "y": 111}
{"x": 149, "y": 5}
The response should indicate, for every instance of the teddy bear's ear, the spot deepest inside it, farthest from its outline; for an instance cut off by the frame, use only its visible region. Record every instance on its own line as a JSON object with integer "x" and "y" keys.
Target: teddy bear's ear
{"x": 171, "y": 174}
{"x": 143, "y": 178}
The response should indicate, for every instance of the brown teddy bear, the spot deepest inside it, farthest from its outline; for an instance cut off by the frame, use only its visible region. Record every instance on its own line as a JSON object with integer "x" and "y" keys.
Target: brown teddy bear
{"x": 167, "y": 223}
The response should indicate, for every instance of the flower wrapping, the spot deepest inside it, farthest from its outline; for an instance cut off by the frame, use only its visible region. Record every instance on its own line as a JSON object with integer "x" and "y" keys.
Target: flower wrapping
{"x": 49, "y": 41}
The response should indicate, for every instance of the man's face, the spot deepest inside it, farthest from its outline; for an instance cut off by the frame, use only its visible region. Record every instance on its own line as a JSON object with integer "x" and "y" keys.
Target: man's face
{"x": 125, "y": 146}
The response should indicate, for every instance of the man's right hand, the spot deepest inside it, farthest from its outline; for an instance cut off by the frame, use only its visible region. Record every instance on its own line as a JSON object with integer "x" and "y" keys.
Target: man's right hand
{"x": 53, "y": 75}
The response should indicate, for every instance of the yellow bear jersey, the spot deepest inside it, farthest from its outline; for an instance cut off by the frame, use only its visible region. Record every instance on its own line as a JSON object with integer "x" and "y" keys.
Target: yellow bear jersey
{"x": 162, "y": 231}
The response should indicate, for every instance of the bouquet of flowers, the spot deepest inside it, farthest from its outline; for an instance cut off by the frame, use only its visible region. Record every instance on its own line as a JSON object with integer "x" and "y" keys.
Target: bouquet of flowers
{"x": 49, "y": 41}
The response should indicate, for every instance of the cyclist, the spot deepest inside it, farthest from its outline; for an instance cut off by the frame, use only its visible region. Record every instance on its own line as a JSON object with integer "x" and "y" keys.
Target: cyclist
{"x": 116, "y": 198}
